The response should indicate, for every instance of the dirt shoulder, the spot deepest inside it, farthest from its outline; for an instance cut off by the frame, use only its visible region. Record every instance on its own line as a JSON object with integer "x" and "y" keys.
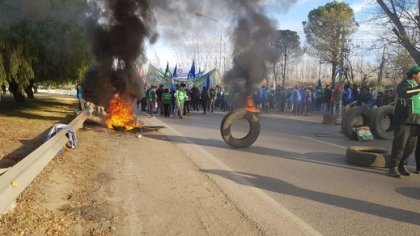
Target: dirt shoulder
{"x": 116, "y": 183}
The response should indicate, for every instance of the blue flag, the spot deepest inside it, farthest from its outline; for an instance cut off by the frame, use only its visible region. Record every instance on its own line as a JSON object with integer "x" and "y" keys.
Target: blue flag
{"x": 173, "y": 86}
{"x": 200, "y": 73}
{"x": 191, "y": 74}
{"x": 174, "y": 74}
{"x": 208, "y": 81}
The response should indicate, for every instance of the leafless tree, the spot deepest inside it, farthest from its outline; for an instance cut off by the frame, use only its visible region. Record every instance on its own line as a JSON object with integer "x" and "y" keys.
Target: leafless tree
{"x": 404, "y": 18}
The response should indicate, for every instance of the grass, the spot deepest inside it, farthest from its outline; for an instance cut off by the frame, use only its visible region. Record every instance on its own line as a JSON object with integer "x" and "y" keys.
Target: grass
{"x": 42, "y": 107}
{"x": 23, "y": 126}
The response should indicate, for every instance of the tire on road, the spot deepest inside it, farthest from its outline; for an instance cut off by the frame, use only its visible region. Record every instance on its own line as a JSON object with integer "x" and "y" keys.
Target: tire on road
{"x": 254, "y": 128}
{"x": 378, "y": 115}
{"x": 348, "y": 126}
{"x": 368, "y": 156}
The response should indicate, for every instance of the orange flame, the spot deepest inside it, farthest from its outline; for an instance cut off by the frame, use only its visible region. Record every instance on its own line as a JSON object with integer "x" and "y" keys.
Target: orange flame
{"x": 250, "y": 105}
{"x": 120, "y": 114}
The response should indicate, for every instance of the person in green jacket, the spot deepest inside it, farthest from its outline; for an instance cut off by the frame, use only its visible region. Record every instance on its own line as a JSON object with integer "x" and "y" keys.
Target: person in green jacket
{"x": 166, "y": 101}
{"x": 181, "y": 96}
{"x": 151, "y": 99}
{"x": 406, "y": 123}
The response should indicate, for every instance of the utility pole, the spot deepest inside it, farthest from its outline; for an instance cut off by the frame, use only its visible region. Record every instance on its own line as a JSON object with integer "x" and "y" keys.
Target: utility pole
{"x": 380, "y": 74}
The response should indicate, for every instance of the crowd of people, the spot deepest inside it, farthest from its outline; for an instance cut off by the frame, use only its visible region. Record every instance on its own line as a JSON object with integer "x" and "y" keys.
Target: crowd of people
{"x": 299, "y": 100}
{"x": 181, "y": 100}
{"x": 305, "y": 99}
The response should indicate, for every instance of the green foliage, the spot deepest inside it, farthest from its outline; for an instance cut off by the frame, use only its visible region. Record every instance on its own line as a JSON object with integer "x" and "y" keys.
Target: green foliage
{"x": 3, "y": 75}
{"x": 400, "y": 62}
{"x": 287, "y": 43}
{"x": 64, "y": 55}
{"x": 328, "y": 30}
{"x": 42, "y": 41}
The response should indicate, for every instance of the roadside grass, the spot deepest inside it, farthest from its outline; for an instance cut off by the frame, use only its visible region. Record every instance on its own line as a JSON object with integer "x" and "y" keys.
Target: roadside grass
{"x": 23, "y": 126}
{"x": 43, "y": 106}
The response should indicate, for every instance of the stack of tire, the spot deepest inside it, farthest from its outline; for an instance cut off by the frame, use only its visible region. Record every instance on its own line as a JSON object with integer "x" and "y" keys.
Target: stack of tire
{"x": 373, "y": 119}
{"x": 380, "y": 123}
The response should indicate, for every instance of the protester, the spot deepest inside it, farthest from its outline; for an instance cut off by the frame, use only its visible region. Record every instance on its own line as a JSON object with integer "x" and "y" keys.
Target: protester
{"x": 270, "y": 99}
{"x": 166, "y": 102}
{"x": 347, "y": 95}
{"x": 205, "y": 97}
{"x": 143, "y": 100}
{"x": 195, "y": 98}
{"x": 296, "y": 100}
{"x": 3, "y": 89}
{"x": 79, "y": 96}
{"x": 326, "y": 106}
{"x": 337, "y": 99}
{"x": 151, "y": 98}
{"x": 212, "y": 94}
{"x": 159, "y": 93}
{"x": 308, "y": 101}
{"x": 406, "y": 124}
{"x": 180, "y": 96}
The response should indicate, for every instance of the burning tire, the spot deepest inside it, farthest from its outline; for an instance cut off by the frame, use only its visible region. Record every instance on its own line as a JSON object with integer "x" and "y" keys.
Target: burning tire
{"x": 354, "y": 118}
{"x": 382, "y": 126}
{"x": 254, "y": 128}
{"x": 368, "y": 156}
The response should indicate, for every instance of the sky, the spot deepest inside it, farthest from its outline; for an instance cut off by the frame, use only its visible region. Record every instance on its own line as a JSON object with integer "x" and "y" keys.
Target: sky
{"x": 287, "y": 17}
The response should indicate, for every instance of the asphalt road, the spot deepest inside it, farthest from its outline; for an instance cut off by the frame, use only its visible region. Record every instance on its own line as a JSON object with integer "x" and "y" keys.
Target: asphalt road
{"x": 298, "y": 166}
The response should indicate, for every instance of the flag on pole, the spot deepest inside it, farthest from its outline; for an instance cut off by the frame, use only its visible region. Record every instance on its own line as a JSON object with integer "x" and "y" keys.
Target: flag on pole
{"x": 173, "y": 86}
{"x": 174, "y": 75}
{"x": 191, "y": 74}
{"x": 208, "y": 84}
{"x": 167, "y": 70}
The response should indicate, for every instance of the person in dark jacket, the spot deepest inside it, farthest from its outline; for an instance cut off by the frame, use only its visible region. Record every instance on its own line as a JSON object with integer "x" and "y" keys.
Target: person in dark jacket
{"x": 205, "y": 97}
{"x": 406, "y": 123}
{"x": 79, "y": 96}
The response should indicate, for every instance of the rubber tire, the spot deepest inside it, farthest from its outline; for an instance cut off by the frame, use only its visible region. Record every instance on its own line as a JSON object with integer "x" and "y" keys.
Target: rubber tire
{"x": 368, "y": 156}
{"x": 377, "y": 115}
{"x": 346, "y": 122}
{"x": 254, "y": 128}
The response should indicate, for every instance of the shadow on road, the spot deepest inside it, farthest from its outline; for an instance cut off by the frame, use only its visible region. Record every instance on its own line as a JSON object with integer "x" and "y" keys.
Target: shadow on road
{"x": 279, "y": 186}
{"x": 411, "y": 192}
{"x": 321, "y": 158}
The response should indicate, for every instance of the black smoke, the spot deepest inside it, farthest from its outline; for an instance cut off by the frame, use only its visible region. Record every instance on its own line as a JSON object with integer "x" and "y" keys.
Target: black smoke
{"x": 252, "y": 53}
{"x": 117, "y": 31}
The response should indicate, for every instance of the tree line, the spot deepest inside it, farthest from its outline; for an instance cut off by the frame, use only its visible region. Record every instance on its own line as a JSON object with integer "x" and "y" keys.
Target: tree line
{"x": 43, "y": 41}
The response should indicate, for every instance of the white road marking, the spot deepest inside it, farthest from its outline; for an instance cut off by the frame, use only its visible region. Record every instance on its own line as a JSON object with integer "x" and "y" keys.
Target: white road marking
{"x": 324, "y": 142}
{"x": 264, "y": 196}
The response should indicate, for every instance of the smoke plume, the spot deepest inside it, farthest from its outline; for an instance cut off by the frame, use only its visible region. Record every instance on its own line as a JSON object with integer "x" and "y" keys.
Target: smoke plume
{"x": 117, "y": 30}
{"x": 252, "y": 52}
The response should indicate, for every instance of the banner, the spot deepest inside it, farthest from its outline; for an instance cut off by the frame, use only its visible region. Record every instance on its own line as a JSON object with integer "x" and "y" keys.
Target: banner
{"x": 156, "y": 77}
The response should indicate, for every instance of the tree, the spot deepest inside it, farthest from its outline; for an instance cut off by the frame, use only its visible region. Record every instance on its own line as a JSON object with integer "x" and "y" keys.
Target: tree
{"x": 44, "y": 43}
{"x": 399, "y": 63}
{"x": 328, "y": 32}
{"x": 18, "y": 54}
{"x": 287, "y": 43}
{"x": 405, "y": 19}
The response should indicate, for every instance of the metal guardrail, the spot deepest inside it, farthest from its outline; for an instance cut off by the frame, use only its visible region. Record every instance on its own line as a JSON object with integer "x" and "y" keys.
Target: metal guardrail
{"x": 18, "y": 177}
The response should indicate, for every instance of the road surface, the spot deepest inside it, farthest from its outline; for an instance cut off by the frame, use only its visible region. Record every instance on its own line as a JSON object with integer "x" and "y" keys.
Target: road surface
{"x": 295, "y": 175}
